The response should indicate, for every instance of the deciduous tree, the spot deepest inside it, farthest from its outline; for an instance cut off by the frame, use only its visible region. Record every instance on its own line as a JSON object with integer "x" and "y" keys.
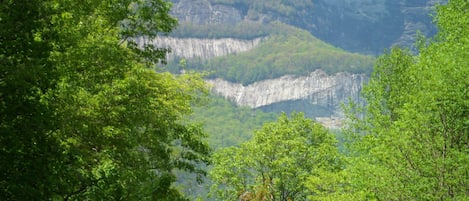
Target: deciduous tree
{"x": 276, "y": 163}
{"x": 412, "y": 142}
{"x": 83, "y": 116}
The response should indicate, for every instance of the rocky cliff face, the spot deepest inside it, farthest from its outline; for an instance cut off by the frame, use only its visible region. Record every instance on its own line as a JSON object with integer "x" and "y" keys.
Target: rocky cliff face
{"x": 201, "y": 48}
{"x": 317, "y": 89}
{"x": 366, "y": 26}
{"x": 369, "y": 26}
{"x": 372, "y": 25}
{"x": 203, "y": 12}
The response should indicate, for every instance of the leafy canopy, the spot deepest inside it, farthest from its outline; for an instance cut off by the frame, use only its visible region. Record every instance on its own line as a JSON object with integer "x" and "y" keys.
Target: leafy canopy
{"x": 276, "y": 163}
{"x": 411, "y": 141}
{"x": 83, "y": 116}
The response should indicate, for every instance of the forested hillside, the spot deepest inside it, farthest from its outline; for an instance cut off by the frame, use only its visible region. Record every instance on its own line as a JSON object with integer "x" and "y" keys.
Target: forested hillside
{"x": 228, "y": 124}
{"x": 292, "y": 38}
{"x": 249, "y": 42}
{"x": 285, "y": 50}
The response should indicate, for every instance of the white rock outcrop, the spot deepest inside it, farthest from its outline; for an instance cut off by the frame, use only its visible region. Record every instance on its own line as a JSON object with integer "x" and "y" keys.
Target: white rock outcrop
{"x": 318, "y": 87}
{"x": 201, "y": 48}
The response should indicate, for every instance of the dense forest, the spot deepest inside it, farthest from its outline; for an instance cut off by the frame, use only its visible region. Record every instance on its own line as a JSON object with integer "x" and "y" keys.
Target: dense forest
{"x": 227, "y": 123}
{"x": 85, "y": 116}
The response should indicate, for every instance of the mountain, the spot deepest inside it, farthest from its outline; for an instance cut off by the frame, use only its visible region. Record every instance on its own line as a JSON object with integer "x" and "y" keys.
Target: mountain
{"x": 285, "y": 55}
{"x": 364, "y": 26}
{"x": 290, "y": 70}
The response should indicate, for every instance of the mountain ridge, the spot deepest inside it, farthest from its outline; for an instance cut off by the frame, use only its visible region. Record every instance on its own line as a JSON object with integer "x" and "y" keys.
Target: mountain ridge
{"x": 365, "y": 26}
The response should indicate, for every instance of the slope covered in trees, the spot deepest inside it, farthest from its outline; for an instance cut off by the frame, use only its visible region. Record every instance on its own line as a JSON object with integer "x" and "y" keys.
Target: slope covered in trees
{"x": 289, "y": 51}
{"x": 285, "y": 50}
{"x": 228, "y": 124}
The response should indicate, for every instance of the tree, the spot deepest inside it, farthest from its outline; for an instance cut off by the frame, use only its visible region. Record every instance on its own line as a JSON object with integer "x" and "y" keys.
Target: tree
{"x": 83, "y": 116}
{"x": 25, "y": 73}
{"x": 276, "y": 163}
{"x": 411, "y": 142}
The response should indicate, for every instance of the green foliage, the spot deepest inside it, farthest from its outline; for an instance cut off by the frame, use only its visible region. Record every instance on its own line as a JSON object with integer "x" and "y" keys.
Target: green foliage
{"x": 287, "y": 50}
{"x": 25, "y": 162}
{"x": 293, "y": 52}
{"x": 411, "y": 142}
{"x": 82, "y": 115}
{"x": 244, "y": 30}
{"x": 276, "y": 163}
{"x": 228, "y": 124}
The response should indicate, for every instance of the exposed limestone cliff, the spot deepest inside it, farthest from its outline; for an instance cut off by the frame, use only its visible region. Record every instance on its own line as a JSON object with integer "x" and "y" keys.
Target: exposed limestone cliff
{"x": 201, "y": 48}
{"x": 318, "y": 88}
